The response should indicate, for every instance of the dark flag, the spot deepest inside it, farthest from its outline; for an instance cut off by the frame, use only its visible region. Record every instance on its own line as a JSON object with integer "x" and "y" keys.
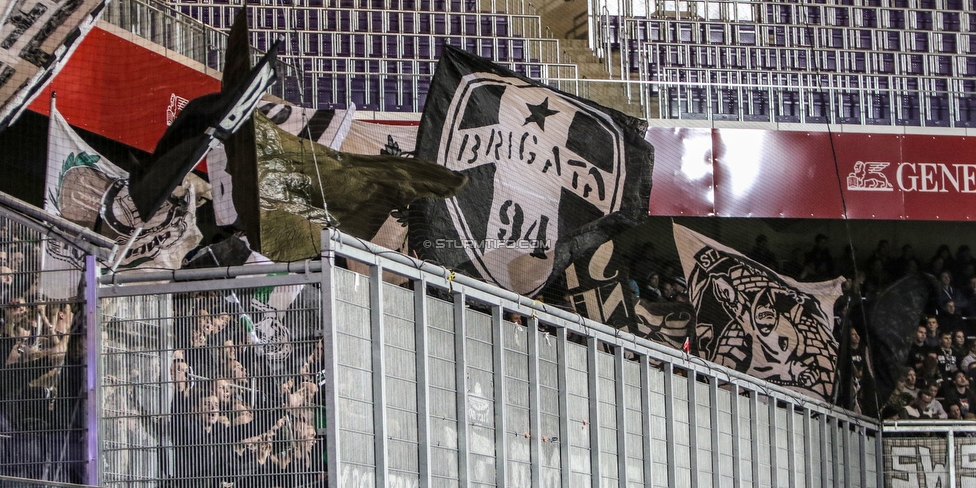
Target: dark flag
{"x": 892, "y": 319}
{"x": 541, "y": 164}
{"x": 756, "y": 321}
{"x": 205, "y": 121}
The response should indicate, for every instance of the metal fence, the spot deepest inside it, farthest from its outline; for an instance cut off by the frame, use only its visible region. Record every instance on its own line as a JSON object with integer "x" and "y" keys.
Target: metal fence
{"x": 292, "y": 374}
{"x": 42, "y": 362}
{"x": 929, "y": 453}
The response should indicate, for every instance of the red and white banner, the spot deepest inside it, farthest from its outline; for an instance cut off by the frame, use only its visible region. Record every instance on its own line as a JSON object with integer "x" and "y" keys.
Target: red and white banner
{"x": 777, "y": 174}
{"x": 129, "y": 93}
{"x": 122, "y": 90}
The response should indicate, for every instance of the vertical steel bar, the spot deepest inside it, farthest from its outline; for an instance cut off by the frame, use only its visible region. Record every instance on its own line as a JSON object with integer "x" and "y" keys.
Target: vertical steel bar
{"x": 825, "y": 462}
{"x": 773, "y": 445}
{"x": 879, "y": 458}
{"x": 692, "y": 426}
{"x": 93, "y": 356}
{"x": 713, "y": 413}
{"x": 562, "y": 371}
{"x": 423, "y": 380}
{"x": 535, "y": 421}
{"x": 669, "y": 414}
{"x": 461, "y": 383}
{"x": 845, "y": 432}
{"x": 498, "y": 373}
{"x": 593, "y": 368}
{"x": 837, "y": 451}
{"x": 791, "y": 443}
{"x": 621, "y": 387}
{"x": 736, "y": 434}
{"x": 330, "y": 345}
{"x": 645, "y": 388}
{"x": 807, "y": 454}
{"x": 378, "y": 342}
{"x": 863, "y": 451}
{"x": 951, "y": 450}
{"x": 754, "y": 428}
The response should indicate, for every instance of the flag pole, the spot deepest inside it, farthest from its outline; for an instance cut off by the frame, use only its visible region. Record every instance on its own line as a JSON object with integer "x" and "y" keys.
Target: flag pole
{"x": 125, "y": 250}
{"x": 45, "y": 202}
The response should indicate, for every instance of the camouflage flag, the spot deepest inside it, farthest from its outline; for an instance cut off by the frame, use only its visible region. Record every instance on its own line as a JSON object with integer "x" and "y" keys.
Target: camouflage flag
{"x": 757, "y": 321}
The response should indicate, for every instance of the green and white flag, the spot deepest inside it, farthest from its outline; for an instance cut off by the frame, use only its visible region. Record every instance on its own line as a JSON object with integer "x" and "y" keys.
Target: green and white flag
{"x": 86, "y": 188}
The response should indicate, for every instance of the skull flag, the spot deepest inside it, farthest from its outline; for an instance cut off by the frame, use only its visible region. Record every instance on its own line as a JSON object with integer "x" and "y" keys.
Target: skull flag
{"x": 758, "y": 322}
{"x": 540, "y": 164}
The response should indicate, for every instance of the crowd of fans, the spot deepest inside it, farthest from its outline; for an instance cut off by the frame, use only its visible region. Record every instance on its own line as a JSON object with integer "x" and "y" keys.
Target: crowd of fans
{"x": 240, "y": 414}
{"x": 246, "y": 408}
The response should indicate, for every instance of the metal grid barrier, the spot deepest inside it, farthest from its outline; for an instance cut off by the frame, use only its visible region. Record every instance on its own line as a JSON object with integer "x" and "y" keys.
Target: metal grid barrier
{"x": 437, "y": 381}
{"x": 929, "y": 453}
{"x": 42, "y": 362}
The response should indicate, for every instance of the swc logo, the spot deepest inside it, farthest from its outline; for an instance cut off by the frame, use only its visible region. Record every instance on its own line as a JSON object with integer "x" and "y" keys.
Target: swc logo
{"x": 920, "y": 177}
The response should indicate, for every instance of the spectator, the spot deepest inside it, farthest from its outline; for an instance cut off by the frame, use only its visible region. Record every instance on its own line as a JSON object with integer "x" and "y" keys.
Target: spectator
{"x": 795, "y": 266}
{"x": 943, "y": 256}
{"x": 882, "y": 253}
{"x": 959, "y": 346}
{"x": 918, "y": 349}
{"x": 847, "y": 262}
{"x": 667, "y": 291}
{"x": 954, "y": 411}
{"x": 820, "y": 259}
{"x": 947, "y": 292}
{"x": 899, "y": 398}
{"x": 948, "y": 318}
{"x": 945, "y": 356}
{"x": 761, "y": 254}
{"x": 935, "y": 409}
{"x": 931, "y": 373}
{"x": 958, "y": 392}
{"x": 877, "y": 278}
{"x": 918, "y": 409}
{"x": 932, "y": 332}
{"x": 968, "y": 359}
{"x": 969, "y": 296}
{"x": 651, "y": 290}
{"x": 911, "y": 382}
{"x": 964, "y": 258}
{"x": 906, "y": 264}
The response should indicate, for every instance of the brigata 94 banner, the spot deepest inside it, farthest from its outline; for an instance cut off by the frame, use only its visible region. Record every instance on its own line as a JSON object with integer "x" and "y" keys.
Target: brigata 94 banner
{"x": 805, "y": 174}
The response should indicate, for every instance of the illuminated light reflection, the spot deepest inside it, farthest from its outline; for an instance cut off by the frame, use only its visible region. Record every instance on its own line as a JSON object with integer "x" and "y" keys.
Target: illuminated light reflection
{"x": 742, "y": 149}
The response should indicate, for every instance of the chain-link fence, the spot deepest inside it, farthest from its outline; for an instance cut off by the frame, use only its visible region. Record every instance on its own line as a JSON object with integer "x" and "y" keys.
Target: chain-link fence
{"x": 42, "y": 414}
{"x": 291, "y": 375}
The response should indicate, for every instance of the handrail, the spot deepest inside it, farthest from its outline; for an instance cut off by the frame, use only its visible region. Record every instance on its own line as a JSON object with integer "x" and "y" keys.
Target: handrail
{"x": 359, "y": 250}
{"x": 84, "y": 239}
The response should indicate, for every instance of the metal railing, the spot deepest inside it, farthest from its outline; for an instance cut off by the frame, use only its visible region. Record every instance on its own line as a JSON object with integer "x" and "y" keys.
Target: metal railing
{"x": 43, "y": 428}
{"x": 186, "y": 36}
{"x": 929, "y": 453}
{"x": 423, "y": 377}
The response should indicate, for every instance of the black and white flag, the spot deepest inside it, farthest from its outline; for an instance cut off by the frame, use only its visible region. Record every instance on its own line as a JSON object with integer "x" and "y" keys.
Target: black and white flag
{"x": 756, "y": 321}
{"x": 541, "y": 163}
{"x": 36, "y": 39}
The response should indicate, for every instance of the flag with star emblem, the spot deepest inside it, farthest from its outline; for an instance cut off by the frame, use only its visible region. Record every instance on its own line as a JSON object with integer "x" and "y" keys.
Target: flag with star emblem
{"x": 541, "y": 164}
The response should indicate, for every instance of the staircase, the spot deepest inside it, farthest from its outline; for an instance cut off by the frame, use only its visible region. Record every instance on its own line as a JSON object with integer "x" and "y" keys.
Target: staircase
{"x": 597, "y": 84}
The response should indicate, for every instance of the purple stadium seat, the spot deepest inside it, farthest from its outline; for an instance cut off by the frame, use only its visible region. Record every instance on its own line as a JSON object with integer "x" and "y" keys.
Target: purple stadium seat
{"x": 879, "y": 110}
{"x": 938, "y": 110}
{"x": 486, "y": 25}
{"x": 501, "y": 26}
{"x": 908, "y": 113}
